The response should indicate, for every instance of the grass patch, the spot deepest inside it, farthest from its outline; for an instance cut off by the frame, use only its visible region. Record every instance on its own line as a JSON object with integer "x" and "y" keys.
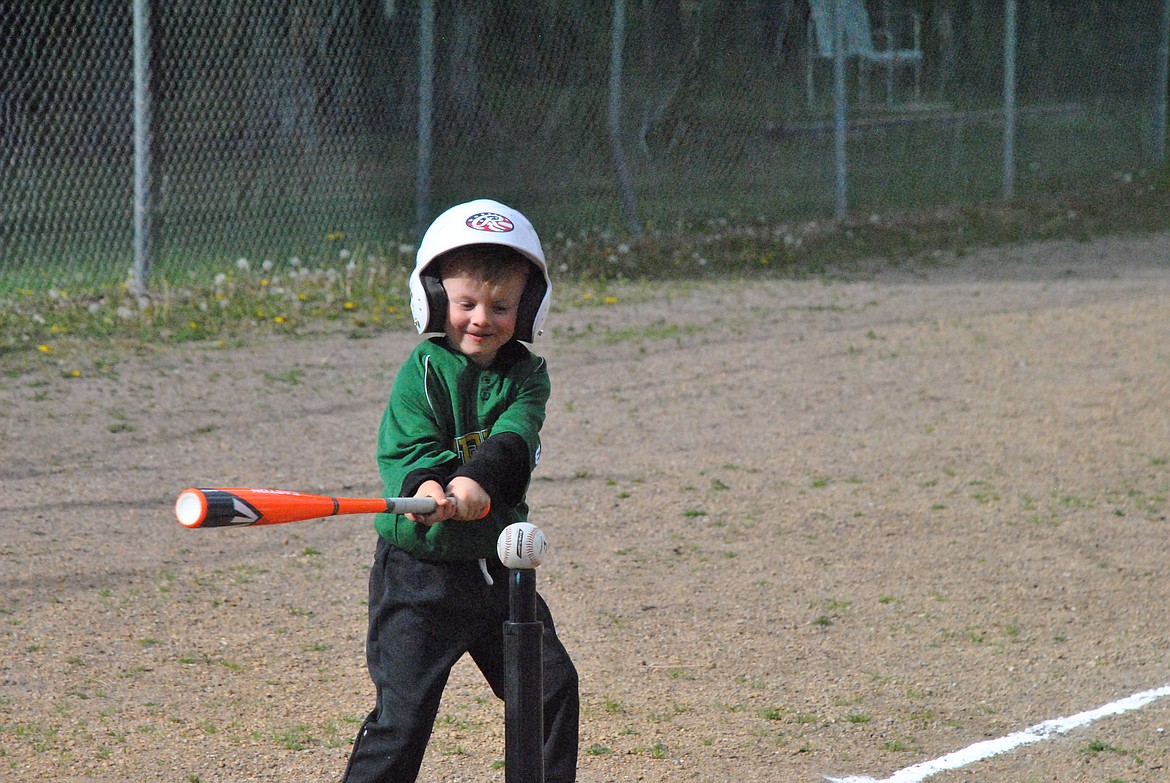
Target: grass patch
{"x": 363, "y": 289}
{"x": 297, "y": 737}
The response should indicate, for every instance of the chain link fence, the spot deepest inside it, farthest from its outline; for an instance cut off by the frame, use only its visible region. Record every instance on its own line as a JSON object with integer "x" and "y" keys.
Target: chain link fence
{"x": 292, "y": 130}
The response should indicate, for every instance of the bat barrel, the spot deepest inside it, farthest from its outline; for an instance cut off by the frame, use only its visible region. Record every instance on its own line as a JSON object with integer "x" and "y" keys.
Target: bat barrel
{"x": 214, "y": 508}
{"x": 240, "y": 507}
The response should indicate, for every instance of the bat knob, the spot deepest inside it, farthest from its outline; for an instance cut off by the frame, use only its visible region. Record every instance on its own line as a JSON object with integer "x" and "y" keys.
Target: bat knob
{"x": 191, "y": 508}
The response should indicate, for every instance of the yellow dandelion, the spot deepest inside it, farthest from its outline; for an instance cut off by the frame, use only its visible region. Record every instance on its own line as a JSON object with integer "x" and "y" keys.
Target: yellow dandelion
{"x": 279, "y": 319}
{"x": 264, "y": 282}
{"x": 75, "y": 374}
{"x": 192, "y": 325}
{"x": 44, "y": 349}
{"x": 349, "y": 305}
{"x": 611, "y": 300}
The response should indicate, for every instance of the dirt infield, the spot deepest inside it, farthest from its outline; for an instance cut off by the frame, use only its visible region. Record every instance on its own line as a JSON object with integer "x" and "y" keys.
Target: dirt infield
{"x": 797, "y": 529}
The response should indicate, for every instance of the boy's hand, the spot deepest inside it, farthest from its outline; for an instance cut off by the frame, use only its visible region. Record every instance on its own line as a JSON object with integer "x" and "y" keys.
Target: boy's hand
{"x": 471, "y": 501}
{"x": 446, "y": 509}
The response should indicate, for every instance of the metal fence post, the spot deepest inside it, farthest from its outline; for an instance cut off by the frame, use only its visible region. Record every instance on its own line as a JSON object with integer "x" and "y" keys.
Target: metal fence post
{"x": 426, "y": 101}
{"x": 840, "y": 128}
{"x": 1009, "y": 100}
{"x": 1163, "y": 76}
{"x": 625, "y": 181}
{"x": 143, "y": 202}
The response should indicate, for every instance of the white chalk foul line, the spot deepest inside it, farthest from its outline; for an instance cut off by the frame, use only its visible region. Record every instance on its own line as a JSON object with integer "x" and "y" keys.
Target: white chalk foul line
{"x": 989, "y": 748}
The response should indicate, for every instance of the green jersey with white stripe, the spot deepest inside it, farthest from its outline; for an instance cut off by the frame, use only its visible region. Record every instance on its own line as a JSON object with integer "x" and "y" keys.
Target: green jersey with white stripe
{"x": 448, "y": 417}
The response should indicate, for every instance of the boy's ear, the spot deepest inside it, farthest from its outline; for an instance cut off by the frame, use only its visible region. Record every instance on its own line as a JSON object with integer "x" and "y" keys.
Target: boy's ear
{"x": 436, "y": 302}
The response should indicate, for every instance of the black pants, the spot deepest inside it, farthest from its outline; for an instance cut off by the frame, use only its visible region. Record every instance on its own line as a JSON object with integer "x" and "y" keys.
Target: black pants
{"x": 423, "y": 617}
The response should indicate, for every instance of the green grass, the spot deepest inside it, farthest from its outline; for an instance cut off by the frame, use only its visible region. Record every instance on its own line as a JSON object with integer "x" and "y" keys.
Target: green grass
{"x": 363, "y": 290}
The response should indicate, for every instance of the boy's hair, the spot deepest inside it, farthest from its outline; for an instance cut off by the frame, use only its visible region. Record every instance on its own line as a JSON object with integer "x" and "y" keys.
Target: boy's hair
{"x": 494, "y": 265}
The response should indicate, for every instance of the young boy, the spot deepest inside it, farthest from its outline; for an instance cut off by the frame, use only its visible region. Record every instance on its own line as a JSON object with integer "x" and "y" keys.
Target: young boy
{"x": 462, "y": 427}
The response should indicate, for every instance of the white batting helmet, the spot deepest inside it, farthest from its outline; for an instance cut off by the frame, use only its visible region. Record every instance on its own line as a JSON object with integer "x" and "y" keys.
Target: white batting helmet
{"x": 479, "y": 222}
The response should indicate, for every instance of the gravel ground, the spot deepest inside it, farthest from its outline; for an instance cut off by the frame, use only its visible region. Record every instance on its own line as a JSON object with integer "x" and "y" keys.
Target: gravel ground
{"x": 796, "y": 529}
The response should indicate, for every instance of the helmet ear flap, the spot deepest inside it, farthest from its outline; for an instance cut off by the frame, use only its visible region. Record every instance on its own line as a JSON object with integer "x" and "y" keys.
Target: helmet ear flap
{"x": 529, "y": 308}
{"x": 436, "y": 301}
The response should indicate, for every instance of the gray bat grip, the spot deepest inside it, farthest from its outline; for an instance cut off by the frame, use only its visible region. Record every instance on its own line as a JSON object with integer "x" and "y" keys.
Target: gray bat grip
{"x": 410, "y": 505}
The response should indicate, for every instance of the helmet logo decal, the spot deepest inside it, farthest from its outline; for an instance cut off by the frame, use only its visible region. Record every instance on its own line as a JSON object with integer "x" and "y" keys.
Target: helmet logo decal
{"x": 489, "y": 221}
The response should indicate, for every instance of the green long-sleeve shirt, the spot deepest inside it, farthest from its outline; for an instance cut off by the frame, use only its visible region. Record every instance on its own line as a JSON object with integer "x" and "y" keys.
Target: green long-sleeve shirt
{"x": 448, "y": 417}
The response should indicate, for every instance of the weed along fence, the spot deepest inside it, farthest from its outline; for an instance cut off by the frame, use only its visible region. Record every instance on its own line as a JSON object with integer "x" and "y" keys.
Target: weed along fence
{"x": 148, "y": 144}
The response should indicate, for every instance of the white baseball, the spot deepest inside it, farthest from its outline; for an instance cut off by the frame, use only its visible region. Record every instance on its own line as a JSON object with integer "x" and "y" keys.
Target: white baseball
{"x": 521, "y": 545}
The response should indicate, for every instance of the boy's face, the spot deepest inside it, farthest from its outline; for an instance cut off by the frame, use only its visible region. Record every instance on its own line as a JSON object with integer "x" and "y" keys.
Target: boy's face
{"x": 481, "y": 317}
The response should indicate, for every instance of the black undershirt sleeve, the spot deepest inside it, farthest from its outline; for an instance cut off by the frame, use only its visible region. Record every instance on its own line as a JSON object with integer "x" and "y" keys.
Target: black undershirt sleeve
{"x": 416, "y": 478}
{"x": 501, "y": 466}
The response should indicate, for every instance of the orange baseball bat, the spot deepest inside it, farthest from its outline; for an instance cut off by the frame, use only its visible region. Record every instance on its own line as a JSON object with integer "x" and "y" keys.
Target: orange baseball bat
{"x": 240, "y": 507}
